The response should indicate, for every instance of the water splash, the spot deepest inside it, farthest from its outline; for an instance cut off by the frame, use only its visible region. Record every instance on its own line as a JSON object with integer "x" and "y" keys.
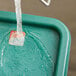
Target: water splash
{"x": 2, "y": 56}
{"x": 17, "y": 37}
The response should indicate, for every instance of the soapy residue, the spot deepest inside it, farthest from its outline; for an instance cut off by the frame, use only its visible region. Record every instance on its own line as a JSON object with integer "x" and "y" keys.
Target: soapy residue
{"x": 25, "y": 60}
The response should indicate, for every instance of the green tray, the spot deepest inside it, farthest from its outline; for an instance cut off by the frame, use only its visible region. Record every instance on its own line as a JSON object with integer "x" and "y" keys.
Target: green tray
{"x": 46, "y": 48}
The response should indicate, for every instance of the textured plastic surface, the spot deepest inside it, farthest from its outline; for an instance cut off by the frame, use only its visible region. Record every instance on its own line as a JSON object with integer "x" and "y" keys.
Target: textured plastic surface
{"x": 46, "y": 48}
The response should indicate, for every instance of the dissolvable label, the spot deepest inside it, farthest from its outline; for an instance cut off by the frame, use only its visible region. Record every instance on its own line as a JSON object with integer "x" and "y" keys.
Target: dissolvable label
{"x": 17, "y": 38}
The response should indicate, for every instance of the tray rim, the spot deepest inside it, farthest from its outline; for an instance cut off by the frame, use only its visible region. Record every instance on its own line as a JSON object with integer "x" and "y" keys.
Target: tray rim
{"x": 65, "y": 42}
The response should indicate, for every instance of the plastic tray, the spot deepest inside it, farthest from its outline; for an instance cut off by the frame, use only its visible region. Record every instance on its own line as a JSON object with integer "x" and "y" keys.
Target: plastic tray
{"x": 45, "y": 51}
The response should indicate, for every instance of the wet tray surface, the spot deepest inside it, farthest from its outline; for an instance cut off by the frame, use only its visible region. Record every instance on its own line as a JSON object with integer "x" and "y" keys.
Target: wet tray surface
{"x": 45, "y": 51}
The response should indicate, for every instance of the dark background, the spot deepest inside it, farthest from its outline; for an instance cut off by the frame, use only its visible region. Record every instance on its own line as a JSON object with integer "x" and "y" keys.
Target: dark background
{"x": 64, "y": 10}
